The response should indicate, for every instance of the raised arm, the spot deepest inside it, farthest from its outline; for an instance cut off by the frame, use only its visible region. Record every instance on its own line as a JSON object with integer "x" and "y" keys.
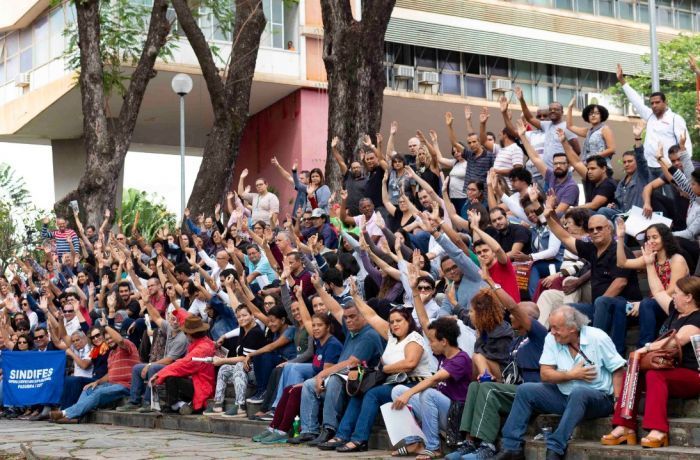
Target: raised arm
{"x": 553, "y": 223}
{"x": 338, "y": 156}
{"x": 332, "y": 304}
{"x": 526, "y": 111}
{"x": 574, "y": 159}
{"x": 483, "y": 120}
{"x": 385, "y": 195}
{"x": 371, "y": 316}
{"x": 282, "y": 171}
{"x": 622, "y": 260}
{"x": 422, "y": 314}
{"x": 578, "y": 130}
{"x": 390, "y": 147}
{"x": 347, "y": 220}
{"x": 449, "y": 120}
{"x": 501, "y": 255}
{"x": 241, "y": 183}
{"x": 634, "y": 97}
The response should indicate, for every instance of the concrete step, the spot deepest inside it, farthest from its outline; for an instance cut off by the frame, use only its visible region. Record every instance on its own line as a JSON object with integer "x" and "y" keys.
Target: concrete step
{"x": 685, "y": 432}
{"x": 591, "y": 450}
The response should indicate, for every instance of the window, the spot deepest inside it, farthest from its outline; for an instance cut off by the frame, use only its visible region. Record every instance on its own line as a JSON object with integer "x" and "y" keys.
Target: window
{"x": 496, "y": 66}
{"x": 585, "y": 6}
{"x": 41, "y": 40}
{"x": 475, "y": 86}
{"x": 566, "y": 76}
{"x": 606, "y": 8}
{"x": 472, "y": 64}
{"x": 426, "y": 57}
{"x": 626, "y": 10}
{"x": 56, "y": 27}
{"x": 450, "y": 83}
{"x": 273, "y": 36}
{"x": 449, "y": 60}
{"x": 12, "y": 55}
{"x": 564, "y": 4}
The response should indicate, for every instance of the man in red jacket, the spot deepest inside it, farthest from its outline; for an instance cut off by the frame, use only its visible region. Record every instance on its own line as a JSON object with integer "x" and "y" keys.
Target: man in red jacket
{"x": 189, "y": 383}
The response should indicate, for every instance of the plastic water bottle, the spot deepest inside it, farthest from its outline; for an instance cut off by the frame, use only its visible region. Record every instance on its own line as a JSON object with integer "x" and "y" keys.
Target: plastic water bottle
{"x": 486, "y": 377}
{"x": 296, "y": 426}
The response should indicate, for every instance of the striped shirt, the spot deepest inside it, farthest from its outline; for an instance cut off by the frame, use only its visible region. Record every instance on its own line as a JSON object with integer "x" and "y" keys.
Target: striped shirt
{"x": 120, "y": 363}
{"x": 477, "y": 166}
{"x": 62, "y": 238}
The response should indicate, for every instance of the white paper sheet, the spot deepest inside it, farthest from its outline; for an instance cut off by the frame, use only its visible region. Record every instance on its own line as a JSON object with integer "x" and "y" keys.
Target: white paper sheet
{"x": 637, "y": 223}
{"x": 400, "y": 424}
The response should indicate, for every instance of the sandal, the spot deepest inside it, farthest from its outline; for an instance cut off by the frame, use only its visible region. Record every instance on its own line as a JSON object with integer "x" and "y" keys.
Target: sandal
{"x": 426, "y": 454}
{"x": 404, "y": 450}
{"x": 357, "y": 446}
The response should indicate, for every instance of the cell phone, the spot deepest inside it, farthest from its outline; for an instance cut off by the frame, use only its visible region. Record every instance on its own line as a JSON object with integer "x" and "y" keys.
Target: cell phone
{"x": 629, "y": 307}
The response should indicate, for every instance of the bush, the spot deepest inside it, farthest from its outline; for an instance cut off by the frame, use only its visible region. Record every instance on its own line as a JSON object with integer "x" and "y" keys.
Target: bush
{"x": 151, "y": 211}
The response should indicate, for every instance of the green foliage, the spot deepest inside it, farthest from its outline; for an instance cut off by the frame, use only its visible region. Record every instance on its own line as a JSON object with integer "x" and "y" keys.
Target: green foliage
{"x": 20, "y": 220}
{"x": 123, "y": 29}
{"x": 153, "y": 214}
{"x": 677, "y": 80}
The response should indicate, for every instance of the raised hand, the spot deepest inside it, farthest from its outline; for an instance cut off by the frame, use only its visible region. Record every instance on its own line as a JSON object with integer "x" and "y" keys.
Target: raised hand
{"x": 518, "y": 92}
{"x": 244, "y": 173}
{"x": 682, "y": 139}
{"x": 433, "y": 136}
{"x": 474, "y": 217}
{"x": 343, "y": 195}
{"x": 648, "y": 255}
{"x": 620, "y": 75}
{"x": 638, "y": 128}
{"x": 380, "y": 138}
{"x": 484, "y": 115}
{"x": 449, "y": 119}
{"x": 620, "y": 228}
{"x": 533, "y": 193}
{"x": 186, "y": 213}
{"x": 274, "y": 162}
{"x": 394, "y": 128}
{"x": 522, "y": 129}
{"x": 467, "y": 113}
{"x": 503, "y": 103}
{"x": 334, "y": 142}
{"x": 561, "y": 135}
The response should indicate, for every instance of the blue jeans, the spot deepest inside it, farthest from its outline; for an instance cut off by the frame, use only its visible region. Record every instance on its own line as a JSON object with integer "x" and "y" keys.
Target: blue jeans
{"x": 334, "y": 398}
{"x": 93, "y": 398}
{"x": 650, "y": 317}
{"x": 430, "y": 407}
{"x": 72, "y": 388}
{"x": 263, "y": 366}
{"x": 139, "y": 390}
{"x": 292, "y": 373}
{"x": 359, "y": 416}
{"x": 585, "y": 308}
{"x": 420, "y": 240}
{"x": 541, "y": 269}
{"x": 611, "y": 317}
{"x": 545, "y": 398}
{"x": 609, "y": 213}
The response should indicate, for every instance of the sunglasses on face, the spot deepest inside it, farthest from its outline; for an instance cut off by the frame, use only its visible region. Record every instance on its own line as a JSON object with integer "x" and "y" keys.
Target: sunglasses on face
{"x": 68, "y": 311}
{"x": 23, "y": 342}
{"x": 39, "y": 337}
{"x": 96, "y": 336}
{"x": 596, "y": 229}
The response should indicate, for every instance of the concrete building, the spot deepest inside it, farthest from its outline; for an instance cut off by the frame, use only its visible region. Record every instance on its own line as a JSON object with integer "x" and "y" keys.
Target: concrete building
{"x": 440, "y": 55}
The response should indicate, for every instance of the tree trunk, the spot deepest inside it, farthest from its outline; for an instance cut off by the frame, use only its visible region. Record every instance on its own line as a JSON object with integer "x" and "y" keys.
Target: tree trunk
{"x": 107, "y": 140}
{"x": 353, "y": 53}
{"x": 230, "y": 98}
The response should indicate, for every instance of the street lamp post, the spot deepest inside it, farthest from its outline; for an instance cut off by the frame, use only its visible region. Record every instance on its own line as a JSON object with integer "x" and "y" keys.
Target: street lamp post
{"x": 182, "y": 85}
{"x": 654, "y": 47}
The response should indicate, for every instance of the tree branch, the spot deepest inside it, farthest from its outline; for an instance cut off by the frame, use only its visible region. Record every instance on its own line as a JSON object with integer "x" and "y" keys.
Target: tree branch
{"x": 158, "y": 31}
{"x": 204, "y": 55}
{"x": 248, "y": 27}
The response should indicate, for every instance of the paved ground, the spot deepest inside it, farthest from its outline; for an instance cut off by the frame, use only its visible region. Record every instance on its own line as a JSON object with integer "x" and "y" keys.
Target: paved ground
{"x": 92, "y": 441}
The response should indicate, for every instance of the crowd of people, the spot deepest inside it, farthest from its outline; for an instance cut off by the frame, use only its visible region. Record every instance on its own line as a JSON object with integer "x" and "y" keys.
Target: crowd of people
{"x": 468, "y": 285}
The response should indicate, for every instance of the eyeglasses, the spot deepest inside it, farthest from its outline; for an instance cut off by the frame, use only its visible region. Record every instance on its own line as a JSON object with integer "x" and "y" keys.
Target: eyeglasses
{"x": 96, "y": 336}
{"x": 596, "y": 229}
{"x": 23, "y": 342}
{"x": 451, "y": 268}
{"x": 425, "y": 288}
{"x": 40, "y": 337}
{"x": 21, "y": 329}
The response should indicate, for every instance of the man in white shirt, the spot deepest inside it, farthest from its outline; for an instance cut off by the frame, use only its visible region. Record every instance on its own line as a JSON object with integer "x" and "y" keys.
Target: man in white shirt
{"x": 663, "y": 126}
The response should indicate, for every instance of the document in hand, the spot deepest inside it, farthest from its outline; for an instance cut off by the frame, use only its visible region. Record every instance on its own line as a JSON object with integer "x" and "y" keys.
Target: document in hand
{"x": 637, "y": 223}
{"x": 400, "y": 424}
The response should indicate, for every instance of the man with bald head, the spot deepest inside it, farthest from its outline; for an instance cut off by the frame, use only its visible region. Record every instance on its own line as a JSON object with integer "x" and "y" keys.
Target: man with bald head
{"x": 611, "y": 287}
{"x": 581, "y": 379}
{"x": 488, "y": 401}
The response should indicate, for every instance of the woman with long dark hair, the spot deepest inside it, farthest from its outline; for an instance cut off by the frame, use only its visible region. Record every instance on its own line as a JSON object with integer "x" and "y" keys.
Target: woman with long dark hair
{"x": 318, "y": 194}
{"x": 404, "y": 361}
{"x": 670, "y": 266}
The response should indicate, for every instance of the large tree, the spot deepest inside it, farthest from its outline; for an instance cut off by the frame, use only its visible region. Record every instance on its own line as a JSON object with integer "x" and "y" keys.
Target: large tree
{"x": 107, "y": 138}
{"x": 353, "y": 53}
{"x": 229, "y": 91}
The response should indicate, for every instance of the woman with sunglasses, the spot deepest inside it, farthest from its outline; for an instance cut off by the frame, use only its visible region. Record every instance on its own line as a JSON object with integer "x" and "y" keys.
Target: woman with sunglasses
{"x": 404, "y": 361}
{"x": 599, "y": 138}
{"x": 670, "y": 266}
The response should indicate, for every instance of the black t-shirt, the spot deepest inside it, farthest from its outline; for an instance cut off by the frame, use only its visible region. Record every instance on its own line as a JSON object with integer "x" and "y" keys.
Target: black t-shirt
{"x": 604, "y": 270}
{"x": 374, "y": 186}
{"x": 689, "y": 360}
{"x": 605, "y": 188}
{"x": 357, "y": 189}
{"x": 253, "y": 340}
{"x": 512, "y": 234}
{"x": 395, "y": 221}
{"x": 432, "y": 179}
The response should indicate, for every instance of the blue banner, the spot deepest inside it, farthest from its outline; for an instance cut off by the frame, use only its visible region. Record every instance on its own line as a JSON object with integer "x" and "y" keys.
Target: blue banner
{"x": 32, "y": 377}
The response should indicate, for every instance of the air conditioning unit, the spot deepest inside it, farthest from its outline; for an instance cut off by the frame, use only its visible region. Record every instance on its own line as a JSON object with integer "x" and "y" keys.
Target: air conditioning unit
{"x": 429, "y": 78}
{"x": 404, "y": 72}
{"x": 606, "y": 100}
{"x": 630, "y": 111}
{"x": 22, "y": 80}
{"x": 500, "y": 85}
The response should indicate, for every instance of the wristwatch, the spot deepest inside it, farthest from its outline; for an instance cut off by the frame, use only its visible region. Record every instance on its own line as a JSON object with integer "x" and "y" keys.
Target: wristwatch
{"x": 647, "y": 346}
{"x": 496, "y": 286}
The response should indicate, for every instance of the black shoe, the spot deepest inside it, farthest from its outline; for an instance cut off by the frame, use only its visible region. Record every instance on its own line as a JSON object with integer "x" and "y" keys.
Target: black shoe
{"x": 357, "y": 447}
{"x": 551, "y": 455}
{"x": 325, "y": 435}
{"x": 510, "y": 455}
{"x": 332, "y": 444}
{"x": 302, "y": 438}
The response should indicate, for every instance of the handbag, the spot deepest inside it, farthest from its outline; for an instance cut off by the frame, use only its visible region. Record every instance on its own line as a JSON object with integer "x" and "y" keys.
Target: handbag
{"x": 362, "y": 379}
{"x": 664, "y": 358}
{"x": 453, "y": 436}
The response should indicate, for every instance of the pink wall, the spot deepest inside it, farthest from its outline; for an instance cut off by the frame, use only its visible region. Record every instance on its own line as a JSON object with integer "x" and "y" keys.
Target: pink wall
{"x": 294, "y": 127}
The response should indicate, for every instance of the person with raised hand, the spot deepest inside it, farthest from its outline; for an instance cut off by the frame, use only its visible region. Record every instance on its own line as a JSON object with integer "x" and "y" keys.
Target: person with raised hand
{"x": 431, "y": 398}
{"x": 599, "y": 138}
